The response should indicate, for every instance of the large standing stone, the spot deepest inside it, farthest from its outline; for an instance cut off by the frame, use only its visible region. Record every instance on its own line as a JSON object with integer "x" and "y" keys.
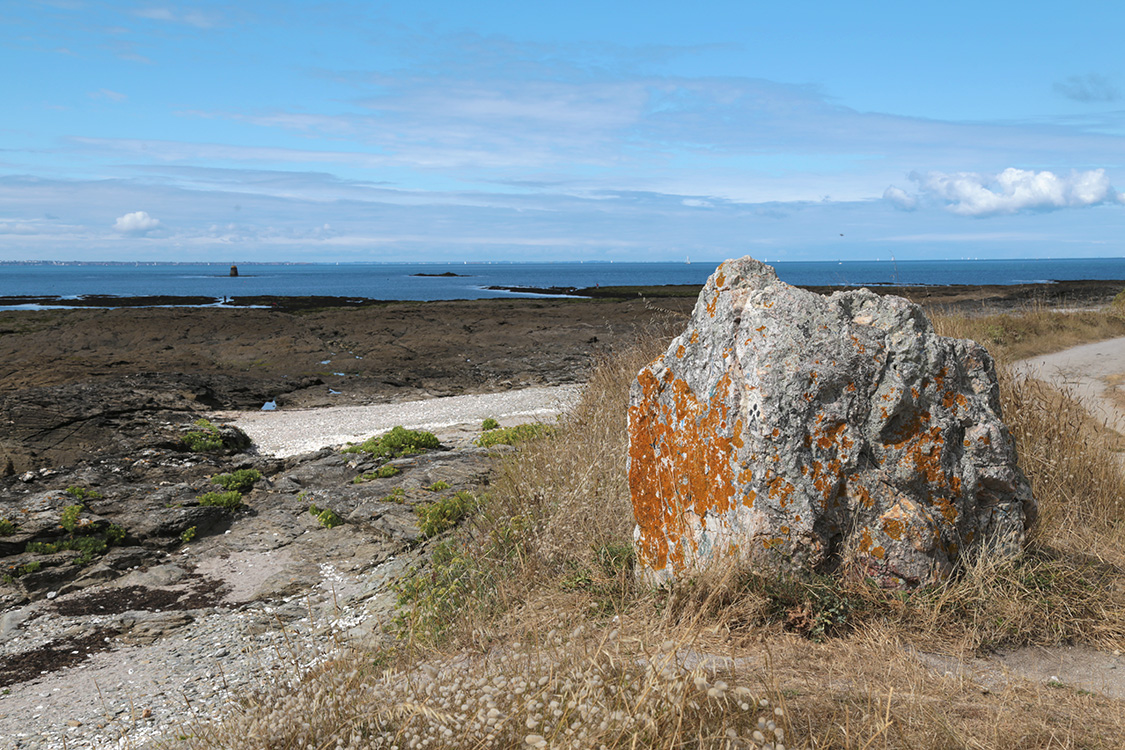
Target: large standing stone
{"x": 787, "y": 432}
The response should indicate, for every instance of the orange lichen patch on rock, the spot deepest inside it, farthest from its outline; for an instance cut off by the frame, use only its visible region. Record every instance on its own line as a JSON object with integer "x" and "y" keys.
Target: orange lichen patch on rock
{"x": 712, "y": 304}
{"x": 780, "y": 488}
{"x": 865, "y": 540}
{"x": 947, "y": 508}
{"x": 694, "y": 337}
{"x": 893, "y": 528}
{"x": 680, "y": 351}
{"x": 680, "y": 465}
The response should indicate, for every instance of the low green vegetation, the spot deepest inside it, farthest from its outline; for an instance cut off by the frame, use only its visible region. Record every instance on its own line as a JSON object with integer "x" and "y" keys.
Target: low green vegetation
{"x": 83, "y": 493}
{"x": 187, "y": 535}
{"x": 16, "y": 571}
{"x": 397, "y": 443}
{"x": 7, "y": 527}
{"x": 326, "y": 517}
{"x": 241, "y": 481}
{"x": 205, "y": 440}
{"x": 438, "y": 486}
{"x": 383, "y": 472}
{"x": 86, "y": 539}
{"x": 489, "y": 424}
{"x": 445, "y": 513}
{"x": 69, "y": 519}
{"x": 397, "y": 495}
{"x": 231, "y": 500}
{"x": 513, "y": 435}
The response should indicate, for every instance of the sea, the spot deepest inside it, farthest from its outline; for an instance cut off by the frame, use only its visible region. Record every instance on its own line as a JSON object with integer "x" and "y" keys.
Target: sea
{"x": 401, "y": 281}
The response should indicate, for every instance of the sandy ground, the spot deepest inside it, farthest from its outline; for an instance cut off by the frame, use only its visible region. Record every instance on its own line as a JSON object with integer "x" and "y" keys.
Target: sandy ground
{"x": 296, "y": 431}
{"x": 1091, "y": 373}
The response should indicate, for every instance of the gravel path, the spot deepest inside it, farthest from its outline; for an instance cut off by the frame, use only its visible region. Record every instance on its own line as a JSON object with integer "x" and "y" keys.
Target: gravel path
{"x": 289, "y": 433}
{"x": 1089, "y": 372}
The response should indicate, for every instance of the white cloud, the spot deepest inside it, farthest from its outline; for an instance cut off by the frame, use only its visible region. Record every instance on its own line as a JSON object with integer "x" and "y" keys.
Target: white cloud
{"x": 1009, "y": 192}
{"x": 900, "y": 198}
{"x": 136, "y": 223}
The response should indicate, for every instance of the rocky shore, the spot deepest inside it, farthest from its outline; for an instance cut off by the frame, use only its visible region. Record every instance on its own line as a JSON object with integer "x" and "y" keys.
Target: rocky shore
{"x": 127, "y": 603}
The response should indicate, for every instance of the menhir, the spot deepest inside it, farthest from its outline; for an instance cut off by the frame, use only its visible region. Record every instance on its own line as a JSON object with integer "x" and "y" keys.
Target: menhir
{"x": 785, "y": 431}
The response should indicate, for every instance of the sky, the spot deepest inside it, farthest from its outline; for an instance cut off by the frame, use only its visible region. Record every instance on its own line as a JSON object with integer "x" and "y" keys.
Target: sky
{"x": 494, "y": 130}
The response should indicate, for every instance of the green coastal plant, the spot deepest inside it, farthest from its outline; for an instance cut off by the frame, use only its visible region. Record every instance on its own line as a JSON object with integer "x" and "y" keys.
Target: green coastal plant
{"x": 83, "y": 493}
{"x": 69, "y": 519}
{"x": 396, "y": 443}
{"x": 326, "y": 517}
{"x": 445, "y": 513}
{"x": 397, "y": 495}
{"x": 241, "y": 481}
{"x": 489, "y": 424}
{"x": 17, "y": 571}
{"x": 204, "y": 440}
{"x": 383, "y": 472}
{"x": 513, "y": 435}
{"x": 187, "y": 535}
{"x": 231, "y": 500}
{"x": 438, "y": 486}
{"x": 7, "y": 527}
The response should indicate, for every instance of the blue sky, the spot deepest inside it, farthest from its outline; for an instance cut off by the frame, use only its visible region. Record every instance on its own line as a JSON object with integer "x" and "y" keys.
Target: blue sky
{"x": 554, "y": 131}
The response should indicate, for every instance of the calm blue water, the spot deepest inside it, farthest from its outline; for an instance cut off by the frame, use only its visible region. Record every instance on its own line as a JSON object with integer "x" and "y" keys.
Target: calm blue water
{"x": 396, "y": 280}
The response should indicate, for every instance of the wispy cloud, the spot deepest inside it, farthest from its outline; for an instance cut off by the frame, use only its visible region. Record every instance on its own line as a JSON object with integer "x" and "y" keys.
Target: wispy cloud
{"x": 173, "y": 15}
{"x": 1092, "y": 87}
{"x": 113, "y": 96}
{"x": 1009, "y": 192}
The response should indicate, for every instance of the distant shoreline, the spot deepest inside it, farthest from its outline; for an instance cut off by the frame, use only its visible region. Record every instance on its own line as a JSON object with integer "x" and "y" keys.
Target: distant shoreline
{"x": 1081, "y": 293}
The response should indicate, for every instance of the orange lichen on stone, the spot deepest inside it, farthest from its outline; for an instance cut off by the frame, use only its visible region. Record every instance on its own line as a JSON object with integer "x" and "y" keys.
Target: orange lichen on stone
{"x": 780, "y": 489}
{"x": 695, "y": 336}
{"x": 948, "y": 510}
{"x": 680, "y": 351}
{"x": 893, "y": 528}
{"x": 680, "y": 465}
{"x": 862, "y": 494}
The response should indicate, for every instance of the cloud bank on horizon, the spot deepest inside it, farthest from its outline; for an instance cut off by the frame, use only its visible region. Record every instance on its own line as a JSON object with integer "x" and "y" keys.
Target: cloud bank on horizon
{"x": 1011, "y": 191}
{"x": 557, "y": 131}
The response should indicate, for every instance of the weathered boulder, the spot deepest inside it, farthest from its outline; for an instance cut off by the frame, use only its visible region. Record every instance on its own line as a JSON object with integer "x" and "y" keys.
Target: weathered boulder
{"x": 786, "y": 431}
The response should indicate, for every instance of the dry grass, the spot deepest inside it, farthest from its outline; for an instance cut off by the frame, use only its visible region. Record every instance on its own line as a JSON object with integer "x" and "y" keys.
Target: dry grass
{"x": 1032, "y": 331}
{"x": 527, "y": 630}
